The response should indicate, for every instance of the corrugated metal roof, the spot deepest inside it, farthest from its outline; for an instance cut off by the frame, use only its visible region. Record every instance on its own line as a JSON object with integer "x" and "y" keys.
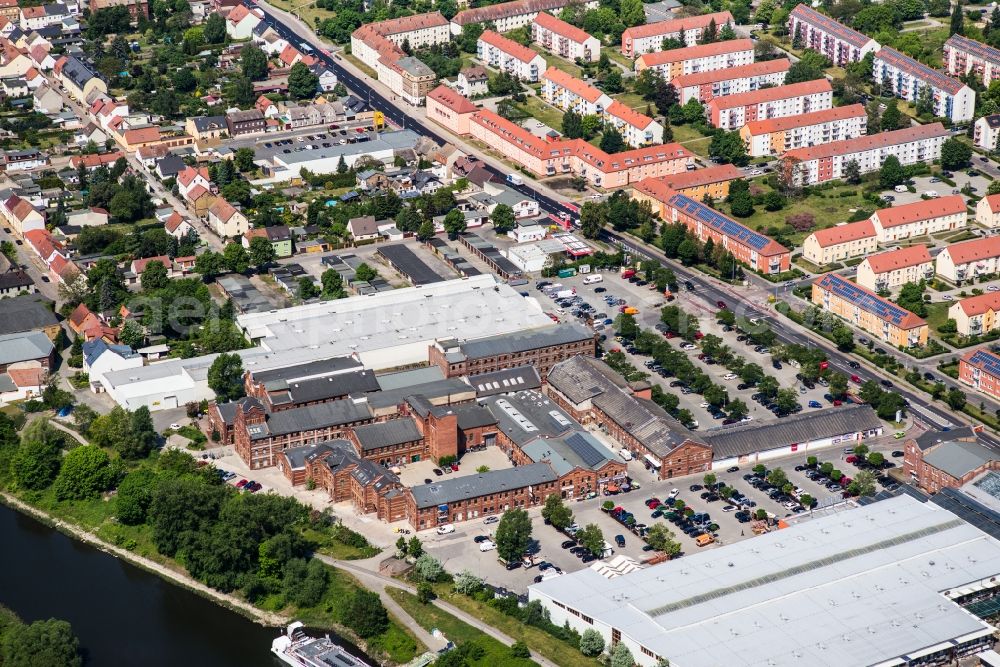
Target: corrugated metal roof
{"x": 483, "y": 484}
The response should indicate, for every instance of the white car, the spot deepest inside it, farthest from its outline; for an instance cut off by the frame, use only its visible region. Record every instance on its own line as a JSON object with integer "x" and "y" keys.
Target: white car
{"x": 756, "y": 172}
{"x": 487, "y": 546}
{"x": 704, "y": 404}
{"x": 491, "y": 519}
{"x": 729, "y": 508}
{"x": 445, "y": 529}
{"x": 175, "y": 427}
{"x": 729, "y": 376}
{"x": 748, "y": 418}
{"x": 932, "y": 194}
{"x": 689, "y": 346}
{"x": 992, "y": 288}
{"x": 673, "y": 493}
{"x": 948, "y": 297}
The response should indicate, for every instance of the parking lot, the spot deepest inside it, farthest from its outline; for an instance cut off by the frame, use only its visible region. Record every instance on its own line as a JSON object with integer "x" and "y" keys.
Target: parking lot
{"x": 459, "y": 552}
{"x": 313, "y": 264}
{"x": 933, "y": 185}
{"x": 422, "y": 472}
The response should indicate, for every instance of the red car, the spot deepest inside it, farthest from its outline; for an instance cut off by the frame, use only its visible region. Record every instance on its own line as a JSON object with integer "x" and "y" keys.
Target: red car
{"x": 240, "y": 484}
{"x": 669, "y": 334}
{"x": 698, "y": 335}
{"x": 454, "y": 467}
{"x": 721, "y": 304}
{"x": 856, "y": 379}
{"x": 851, "y": 459}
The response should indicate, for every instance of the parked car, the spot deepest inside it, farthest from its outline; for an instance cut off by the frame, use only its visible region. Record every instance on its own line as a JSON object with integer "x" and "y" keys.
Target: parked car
{"x": 445, "y": 529}
{"x": 491, "y": 519}
{"x": 620, "y": 541}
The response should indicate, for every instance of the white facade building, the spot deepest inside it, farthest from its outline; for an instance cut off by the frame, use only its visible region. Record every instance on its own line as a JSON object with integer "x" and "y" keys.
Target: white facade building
{"x": 564, "y": 39}
{"x": 941, "y": 214}
{"x": 507, "y": 16}
{"x": 734, "y": 111}
{"x": 568, "y": 93}
{"x": 906, "y": 78}
{"x": 834, "y": 40}
{"x": 689, "y": 30}
{"x": 637, "y": 129}
{"x": 963, "y": 55}
{"x": 703, "y": 86}
{"x": 777, "y": 135}
{"x": 702, "y": 58}
{"x": 508, "y": 56}
{"x": 987, "y": 132}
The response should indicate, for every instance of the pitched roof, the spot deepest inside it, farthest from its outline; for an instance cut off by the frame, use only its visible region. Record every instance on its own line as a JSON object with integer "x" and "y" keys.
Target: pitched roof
{"x": 732, "y": 230}
{"x": 931, "y": 77}
{"x": 24, "y": 346}
{"x": 409, "y": 23}
{"x": 976, "y": 49}
{"x": 508, "y": 46}
{"x": 24, "y": 313}
{"x": 920, "y": 210}
{"x": 27, "y": 377}
{"x": 196, "y": 193}
{"x": 771, "y": 94}
{"x": 657, "y": 58}
{"x": 958, "y": 458}
{"x": 852, "y": 231}
{"x": 975, "y": 250}
{"x": 174, "y": 221}
{"x": 828, "y": 25}
{"x": 506, "y": 10}
{"x": 222, "y": 209}
{"x": 628, "y": 115}
{"x": 901, "y": 258}
{"x": 475, "y": 73}
{"x": 981, "y": 303}
{"x": 869, "y": 142}
{"x": 387, "y": 434}
{"x": 139, "y": 265}
{"x": 676, "y": 25}
{"x": 868, "y": 301}
{"x": 80, "y": 315}
{"x": 189, "y": 174}
{"x": 758, "y": 127}
{"x": 93, "y": 349}
{"x": 572, "y": 84}
{"x": 993, "y": 201}
{"x": 663, "y": 187}
{"x": 560, "y": 27}
{"x": 455, "y": 489}
{"x": 142, "y": 135}
{"x": 451, "y": 99}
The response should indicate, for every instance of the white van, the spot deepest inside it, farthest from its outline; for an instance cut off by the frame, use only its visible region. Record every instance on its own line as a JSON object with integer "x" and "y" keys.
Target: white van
{"x": 445, "y": 529}
{"x": 900, "y": 188}
{"x": 625, "y": 454}
{"x": 596, "y": 278}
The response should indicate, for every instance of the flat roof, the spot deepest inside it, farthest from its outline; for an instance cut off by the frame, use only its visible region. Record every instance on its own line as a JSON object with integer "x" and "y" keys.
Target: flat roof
{"x": 455, "y": 489}
{"x": 409, "y": 264}
{"x": 861, "y": 587}
{"x": 409, "y": 319}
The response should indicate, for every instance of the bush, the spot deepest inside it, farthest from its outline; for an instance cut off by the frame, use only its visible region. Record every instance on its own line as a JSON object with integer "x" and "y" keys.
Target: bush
{"x": 591, "y": 642}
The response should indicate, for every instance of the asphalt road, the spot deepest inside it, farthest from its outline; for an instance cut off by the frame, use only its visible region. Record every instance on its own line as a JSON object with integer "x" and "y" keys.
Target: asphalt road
{"x": 919, "y": 406}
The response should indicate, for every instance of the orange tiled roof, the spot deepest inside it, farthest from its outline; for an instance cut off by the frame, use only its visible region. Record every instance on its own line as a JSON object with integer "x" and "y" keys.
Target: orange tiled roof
{"x": 560, "y": 27}
{"x": 189, "y": 174}
{"x": 868, "y": 142}
{"x": 452, "y": 99}
{"x": 758, "y": 127}
{"x": 572, "y": 84}
{"x": 663, "y": 187}
{"x": 508, "y": 46}
{"x": 981, "y": 303}
{"x": 921, "y": 210}
{"x": 506, "y": 10}
{"x": 902, "y": 258}
{"x": 676, "y": 25}
{"x": 222, "y": 209}
{"x": 142, "y": 135}
{"x": 838, "y": 234}
{"x": 629, "y": 115}
{"x": 770, "y": 94}
{"x": 993, "y": 201}
{"x": 975, "y": 250}
{"x": 694, "y": 52}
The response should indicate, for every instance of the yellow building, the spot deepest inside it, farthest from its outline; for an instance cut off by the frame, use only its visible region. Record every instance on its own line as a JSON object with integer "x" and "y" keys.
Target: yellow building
{"x": 976, "y": 315}
{"x": 867, "y": 311}
{"x": 894, "y": 268}
{"x": 835, "y": 244}
{"x": 697, "y": 184}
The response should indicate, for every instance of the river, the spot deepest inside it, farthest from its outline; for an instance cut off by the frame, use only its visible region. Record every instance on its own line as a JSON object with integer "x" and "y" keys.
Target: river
{"x": 123, "y": 615}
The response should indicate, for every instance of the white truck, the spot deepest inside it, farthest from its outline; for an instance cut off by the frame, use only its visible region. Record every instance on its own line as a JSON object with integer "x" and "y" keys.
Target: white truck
{"x": 515, "y": 179}
{"x": 593, "y": 278}
{"x": 566, "y": 293}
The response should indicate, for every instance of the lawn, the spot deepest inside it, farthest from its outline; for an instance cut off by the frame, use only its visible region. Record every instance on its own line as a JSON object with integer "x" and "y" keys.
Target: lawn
{"x": 615, "y": 54}
{"x": 430, "y": 617}
{"x": 541, "y": 110}
{"x": 634, "y": 101}
{"x": 691, "y": 139}
{"x": 937, "y": 314}
{"x": 553, "y": 60}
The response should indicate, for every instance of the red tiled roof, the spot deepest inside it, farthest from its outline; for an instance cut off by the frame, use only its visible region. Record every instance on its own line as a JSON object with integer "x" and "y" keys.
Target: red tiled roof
{"x": 289, "y": 55}
{"x": 27, "y": 377}
{"x": 838, "y": 234}
{"x": 758, "y": 127}
{"x": 237, "y": 14}
{"x": 508, "y": 46}
{"x": 920, "y": 210}
{"x": 80, "y": 315}
{"x": 868, "y": 142}
{"x": 676, "y": 25}
{"x": 196, "y": 193}
{"x": 21, "y": 208}
{"x": 95, "y": 160}
{"x": 452, "y": 99}
{"x": 993, "y": 201}
{"x": 142, "y": 135}
{"x": 902, "y": 258}
{"x": 770, "y": 94}
{"x": 173, "y": 222}
{"x": 693, "y": 52}
{"x": 974, "y": 250}
{"x": 33, "y": 12}
{"x": 560, "y": 27}
{"x": 43, "y": 243}
{"x": 64, "y": 268}
{"x": 628, "y": 115}
{"x": 222, "y": 209}
{"x": 505, "y": 10}
{"x": 572, "y": 84}
{"x": 977, "y": 305}
{"x": 409, "y": 23}
{"x": 139, "y": 265}
{"x": 189, "y": 174}
{"x": 663, "y": 187}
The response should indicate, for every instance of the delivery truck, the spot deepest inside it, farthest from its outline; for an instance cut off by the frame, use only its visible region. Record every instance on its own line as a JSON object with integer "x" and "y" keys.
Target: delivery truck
{"x": 515, "y": 179}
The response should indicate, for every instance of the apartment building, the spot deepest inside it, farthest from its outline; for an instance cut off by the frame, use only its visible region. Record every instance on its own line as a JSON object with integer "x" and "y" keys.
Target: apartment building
{"x": 819, "y": 164}
{"x": 906, "y": 78}
{"x": 963, "y": 55}
{"x": 988, "y": 211}
{"x": 712, "y": 182}
{"x": 507, "y": 16}
{"x": 976, "y": 315}
{"x": 987, "y": 132}
{"x": 379, "y": 45}
{"x": 919, "y": 218}
{"x": 649, "y": 37}
{"x": 564, "y": 39}
{"x": 894, "y": 268}
{"x": 774, "y": 136}
{"x": 568, "y": 93}
{"x": 703, "y": 86}
{"x": 759, "y": 252}
{"x": 834, "y": 40}
{"x": 508, "y": 56}
{"x": 869, "y": 312}
{"x": 575, "y": 156}
{"x": 449, "y": 109}
{"x": 980, "y": 369}
{"x": 637, "y": 129}
{"x": 968, "y": 260}
{"x": 695, "y": 59}
{"x": 840, "y": 242}
{"x": 734, "y": 111}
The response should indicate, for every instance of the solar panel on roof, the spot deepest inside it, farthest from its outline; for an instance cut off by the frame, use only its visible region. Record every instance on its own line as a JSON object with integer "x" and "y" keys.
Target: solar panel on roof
{"x": 717, "y": 221}
{"x": 989, "y": 362}
{"x": 582, "y": 448}
{"x": 848, "y": 291}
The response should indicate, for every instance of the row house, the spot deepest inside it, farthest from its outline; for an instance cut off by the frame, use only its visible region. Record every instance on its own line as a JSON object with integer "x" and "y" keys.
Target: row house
{"x": 774, "y": 136}
{"x": 311, "y": 115}
{"x": 963, "y": 55}
{"x": 831, "y": 38}
{"x": 941, "y": 214}
{"x": 508, "y": 56}
{"x": 22, "y": 216}
{"x": 988, "y": 211}
{"x": 869, "y": 312}
{"x": 977, "y": 315}
{"x": 450, "y": 109}
{"x": 711, "y": 182}
{"x": 41, "y": 16}
{"x": 711, "y": 57}
{"x": 906, "y": 78}
{"x": 575, "y": 156}
{"x": 79, "y": 79}
{"x": 647, "y": 38}
{"x": 987, "y": 132}
{"x": 734, "y": 111}
{"x": 761, "y": 253}
{"x": 379, "y": 45}
{"x": 10, "y": 10}
{"x": 250, "y": 121}
{"x": 564, "y": 39}
{"x": 14, "y": 61}
{"x": 888, "y": 270}
{"x": 969, "y": 260}
{"x": 24, "y": 160}
{"x": 569, "y": 93}
{"x": 819, "y": 164}
{"x": 507, "y": 16}
{"x": 840, "y": 243}
{"x": 703, "y": 86}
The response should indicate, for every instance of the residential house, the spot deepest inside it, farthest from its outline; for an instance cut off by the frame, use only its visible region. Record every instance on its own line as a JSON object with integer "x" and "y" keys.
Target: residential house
{"x": 450, "y": 109}
{"x": 509, "y": 56}
{"x": 864, "y": 309}
{"x": 472, "y": 81}
{"x": 245, "y": 122}
{"x": 78, "y": 78}
{"x": 564, "y": 39}
{"x": 969, "y": 260}
{"x": 988, "y": 211}
{"x": 888, "y": 270}
{"x": 192, "y": 177}
{"x": 920, "y": 218}
{"x": 207, "y": 128}
{"x": 673, "y": 63}
{"x": 840, "y": 242}
{"x": 100, "y": 358}
{"x": 225, "y": 220}
{"x": 15, "y": 281}
{"x": 22, "y": 216}
{"x": 976, "y": 315}
{"x": 703, "y": 86}
{"x": 92, "y": 216}
{"x": 507, "y": 16}
{"x": 987, "y": 132}
{"x": 364, "y": 228}
{"x": 775, "y": 136}
{"x": 907, "y": 78}
{"x": 177, "y": 226}
{"x": 840, "y": 44}
{"x": 47, "y": 100}
{"x": 641, "y": 39}
{"x": 279, "y": 236}
{"x": 732, "y": 112}
{"x": 963, "y": 55}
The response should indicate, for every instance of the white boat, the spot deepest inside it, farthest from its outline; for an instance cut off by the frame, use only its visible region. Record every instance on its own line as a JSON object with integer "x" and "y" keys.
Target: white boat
{"x": 298, "y": 649}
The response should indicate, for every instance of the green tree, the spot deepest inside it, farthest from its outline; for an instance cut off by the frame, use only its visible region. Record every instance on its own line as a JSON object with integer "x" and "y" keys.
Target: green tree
{"x": 591, "y": 538}
{"x": 467, "y": 583}
{"x": 415, "y": 548}
{"x": 892, "y": 173}
{"x": 210, "y": 264}
{"x": 591, "y": 641}
{"x": 891, "y": 117}
{"x": 85, "y": 472}
{"x": 556, "y": 512}
{"x": 253, "y": 62}
{"x": 225, "y": 377}
{"x": 429, "y": 568}
{"x": 728, "y": 148}
{"x": 737, "y": 409}
{"x": 235, "y": 257}
{"x": 307, "y": 288}
{"x": 503, "y": 219}
{"x": 36, "y": 462}
{"x": 742, "y": 205}
{"x": 863, "y": 484}
{"x": 955, "y": 154}
{"x": 365, "y": 614}
{"x": 572, "y": 125}
{"x": 513, "y": 535}
{"x": 631, "y": 12}
{"x": 333, "y": 285}
{"x": 215, "y": 29}
{"x": 154, "y": 276}
{"x": 621, "y": 656}
{"x": 957, "y": 25}
{"x": 454, "y": 223}
{"x": 426, "y": 231}
{"x": 612, "y": 81}
{"x": 261, "y": 251}
{"x": 852, "y": 172}
{"x": 365, "y": 273}
{"x": 662, "y": 539}
{"x": 184, "y": 80}
{"x": 302, "y": 83}
{"x": 611, "y": 140}
{"x": 243, "y": 159}
{"x": 48, "y": 643}
{"x": 875, "y": 459}
{"x": 956, "y": 399}
{"x": 593, "y": 218}
{"x": 134, "y": 496}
